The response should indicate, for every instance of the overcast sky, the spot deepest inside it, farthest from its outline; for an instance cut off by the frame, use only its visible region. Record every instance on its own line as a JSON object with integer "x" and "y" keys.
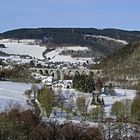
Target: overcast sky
{"x": 123, "y": 14}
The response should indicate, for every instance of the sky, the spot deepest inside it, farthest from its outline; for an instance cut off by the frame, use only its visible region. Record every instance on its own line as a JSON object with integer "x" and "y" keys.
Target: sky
{"x": 122, "y": 14}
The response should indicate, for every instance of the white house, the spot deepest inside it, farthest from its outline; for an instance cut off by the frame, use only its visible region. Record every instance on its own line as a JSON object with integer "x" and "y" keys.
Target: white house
{"x": 47, "y": 81}
{"x": 38, "y": 76}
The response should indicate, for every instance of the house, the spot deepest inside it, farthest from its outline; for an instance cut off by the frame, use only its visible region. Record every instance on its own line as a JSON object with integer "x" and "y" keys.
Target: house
{"x": 38, "y": 76}
{"x": 47, "y": 81}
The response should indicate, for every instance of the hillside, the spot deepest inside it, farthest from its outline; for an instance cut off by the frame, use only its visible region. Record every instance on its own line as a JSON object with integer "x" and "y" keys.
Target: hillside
{"x": 100, "y": 41}
{"x": 69, "y": 35}
{"x": 123, "y": 65}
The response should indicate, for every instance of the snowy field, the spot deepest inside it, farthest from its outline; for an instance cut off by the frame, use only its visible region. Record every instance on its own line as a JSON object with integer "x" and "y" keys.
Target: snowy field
{"x": 121, "y": 94}
{"x": 11, "y": 92}
{"x": 70, "y": 96}
{"x": 28, "y": 47}
{"x": 56, "y": 57}
{"x": 14, "y": 92}
{"x": 22, "y": 48}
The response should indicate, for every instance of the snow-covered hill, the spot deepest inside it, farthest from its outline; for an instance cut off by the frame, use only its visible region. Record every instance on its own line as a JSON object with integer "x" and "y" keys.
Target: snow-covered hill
{"x": 24, "y": 47}
{"x": 55, "y": 55}
{"x": 108, "y": 38}
{"x": 23, "y": 51}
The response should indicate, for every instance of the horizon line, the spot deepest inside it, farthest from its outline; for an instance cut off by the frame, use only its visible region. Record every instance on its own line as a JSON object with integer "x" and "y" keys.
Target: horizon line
{"x": 68, "y": 27}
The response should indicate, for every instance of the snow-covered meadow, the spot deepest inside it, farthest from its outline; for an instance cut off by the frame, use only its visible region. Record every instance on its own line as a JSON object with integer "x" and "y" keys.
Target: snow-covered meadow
{"x": 11, "y": 93}
{"x": 25, "y": 47}
{"x": 14, "y": 92}
{"x": 16, "y": 48}
{"x": 121, "y": 94}
{"x": 56, "y": 57}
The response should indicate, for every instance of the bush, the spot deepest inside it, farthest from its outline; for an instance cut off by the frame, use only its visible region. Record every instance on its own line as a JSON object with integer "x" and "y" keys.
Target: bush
{"x": 135, "y": 110}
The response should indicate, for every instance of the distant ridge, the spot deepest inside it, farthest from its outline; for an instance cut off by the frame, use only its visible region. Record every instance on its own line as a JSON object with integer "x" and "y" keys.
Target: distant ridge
{"x": 101, "y": 41}
{"x": 40, "y": 33}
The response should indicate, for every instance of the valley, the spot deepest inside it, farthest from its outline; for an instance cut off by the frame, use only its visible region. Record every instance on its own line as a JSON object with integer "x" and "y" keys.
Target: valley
{"x": 90, "y": 83}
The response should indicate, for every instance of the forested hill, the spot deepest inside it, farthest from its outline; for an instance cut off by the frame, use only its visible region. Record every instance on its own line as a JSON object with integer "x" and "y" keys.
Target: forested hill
{"x": 69, "y": 35}
{"x": 101, "y": 42}
{"x": 132, "y": 48}
{"x": 124, "y": 64}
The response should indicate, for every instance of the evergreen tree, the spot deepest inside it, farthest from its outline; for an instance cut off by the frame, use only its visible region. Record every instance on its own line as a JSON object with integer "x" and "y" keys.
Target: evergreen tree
{"x": 46, "y": 99}
{"x": 83, "y": 83}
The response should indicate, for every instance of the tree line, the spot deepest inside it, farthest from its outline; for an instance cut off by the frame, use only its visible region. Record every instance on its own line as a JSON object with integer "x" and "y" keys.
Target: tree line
{"x": 83, "y": 83}
{"x": 24, "y": 125}
{"x": 18, "y": 124}
{"x": 40, "y": 33}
